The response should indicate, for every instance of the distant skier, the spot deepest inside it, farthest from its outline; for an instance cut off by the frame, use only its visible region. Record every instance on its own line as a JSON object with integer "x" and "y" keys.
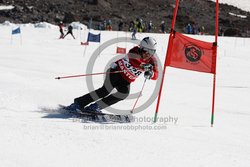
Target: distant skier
{"x": 70, "y": 31}
{"x": 60, "y": 25}
{"x": 133, "y": 34}
{"x": 163, "y": 27}
{"x": 119, "y": 76}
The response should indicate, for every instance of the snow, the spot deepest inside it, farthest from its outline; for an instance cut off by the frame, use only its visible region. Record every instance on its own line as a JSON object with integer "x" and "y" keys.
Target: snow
{"x": 242, "y": 4}
{"x": 6, "y": 7}
{"x": 237, "y": 15}
{"x": 30, "y": 136}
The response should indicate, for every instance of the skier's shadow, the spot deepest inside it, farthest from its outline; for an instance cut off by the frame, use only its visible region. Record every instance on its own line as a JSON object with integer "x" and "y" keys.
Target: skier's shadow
{"x": 55, "y": 113}
{"x": 58, "y": 113}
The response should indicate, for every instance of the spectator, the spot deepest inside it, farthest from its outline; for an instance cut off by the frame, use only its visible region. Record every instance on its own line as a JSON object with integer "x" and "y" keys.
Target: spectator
{"x": 131, "y": 26}
{"x": 195, "y": 30}
{"x": 221, "y": 32}
{"x": 101, "y": 26}
{"x": 189, "y": 29}
{"x": 105, "y": 24}
{"x": 109, "y": 25}
{"x": 200, "y": 30}
{"x": 150, "y": 26}
{"x": 163, "y": 27}
{"x": 120, "y": 26}
{"x": 140, "y": 26}
{"x": 134, "y": 32}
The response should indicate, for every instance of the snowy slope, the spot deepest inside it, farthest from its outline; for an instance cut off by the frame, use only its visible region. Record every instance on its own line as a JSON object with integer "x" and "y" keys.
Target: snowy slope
{"x": 242, "y": 4}
{"x": 30, "y": 136}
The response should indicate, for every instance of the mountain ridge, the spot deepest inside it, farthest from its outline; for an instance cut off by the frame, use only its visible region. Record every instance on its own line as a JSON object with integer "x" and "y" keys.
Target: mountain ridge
{"x": 200, "y": 12}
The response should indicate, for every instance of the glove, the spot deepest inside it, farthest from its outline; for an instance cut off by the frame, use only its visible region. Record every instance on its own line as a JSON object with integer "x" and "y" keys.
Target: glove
{"x": 113, "y": 65}
{"x": 146, "y": 67}
{"x": 148, "y": 74}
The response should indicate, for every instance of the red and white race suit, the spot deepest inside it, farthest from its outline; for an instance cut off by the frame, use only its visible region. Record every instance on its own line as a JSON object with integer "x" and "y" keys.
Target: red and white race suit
{"x": 131, "y": 64}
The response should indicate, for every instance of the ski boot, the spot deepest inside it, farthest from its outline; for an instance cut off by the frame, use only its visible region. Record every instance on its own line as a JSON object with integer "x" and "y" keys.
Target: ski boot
{"x": 73, "y": 108}
{"x": 93, "y": 108}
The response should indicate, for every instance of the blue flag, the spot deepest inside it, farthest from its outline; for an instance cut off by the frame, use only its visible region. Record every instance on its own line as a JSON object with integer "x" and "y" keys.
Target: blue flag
{"x": 94, "y": 38}
{"x": 16, "y": 31}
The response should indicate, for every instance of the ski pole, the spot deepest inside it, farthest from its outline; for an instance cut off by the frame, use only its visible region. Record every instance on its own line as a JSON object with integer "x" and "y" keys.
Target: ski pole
{"x": 132, "y": 111}
{"x": 84, "y": 75}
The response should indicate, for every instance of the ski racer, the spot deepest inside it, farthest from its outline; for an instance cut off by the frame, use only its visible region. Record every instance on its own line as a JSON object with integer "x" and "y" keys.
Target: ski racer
{"x": 123, "y": 72}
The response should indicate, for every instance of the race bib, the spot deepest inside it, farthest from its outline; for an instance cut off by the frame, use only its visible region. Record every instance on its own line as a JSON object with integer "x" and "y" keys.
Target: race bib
{"x": 130, "y": 71}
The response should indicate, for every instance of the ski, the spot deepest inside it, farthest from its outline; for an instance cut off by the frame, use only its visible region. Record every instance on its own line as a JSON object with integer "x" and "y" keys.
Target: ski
{"x": 89, "y": 116}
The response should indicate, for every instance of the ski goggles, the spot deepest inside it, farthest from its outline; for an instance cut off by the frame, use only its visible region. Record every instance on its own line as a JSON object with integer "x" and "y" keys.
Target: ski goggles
{"x": 150, "y": 51}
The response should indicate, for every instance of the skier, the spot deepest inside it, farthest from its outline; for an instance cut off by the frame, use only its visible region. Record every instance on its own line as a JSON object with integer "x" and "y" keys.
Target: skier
{"x": 163, "y": 27}
{"x": 134, "y": 33}
{"x": 70, "y": 31}
{"x": 120, "y": 75}
{"x": 61, "y": 29}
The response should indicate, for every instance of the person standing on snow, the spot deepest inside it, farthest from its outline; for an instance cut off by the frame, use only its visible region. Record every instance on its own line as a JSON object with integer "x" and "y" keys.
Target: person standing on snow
{"x": 119, "y": 76}
{"x": 163, "y": 27}
{"x": 61, "y": 30}
{"x": 70, "y": 31}
{"x": 133, "y": 34}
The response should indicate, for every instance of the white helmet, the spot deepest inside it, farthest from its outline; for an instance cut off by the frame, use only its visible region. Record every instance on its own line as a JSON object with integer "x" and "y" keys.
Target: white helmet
{"x": 148, "y": 44}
